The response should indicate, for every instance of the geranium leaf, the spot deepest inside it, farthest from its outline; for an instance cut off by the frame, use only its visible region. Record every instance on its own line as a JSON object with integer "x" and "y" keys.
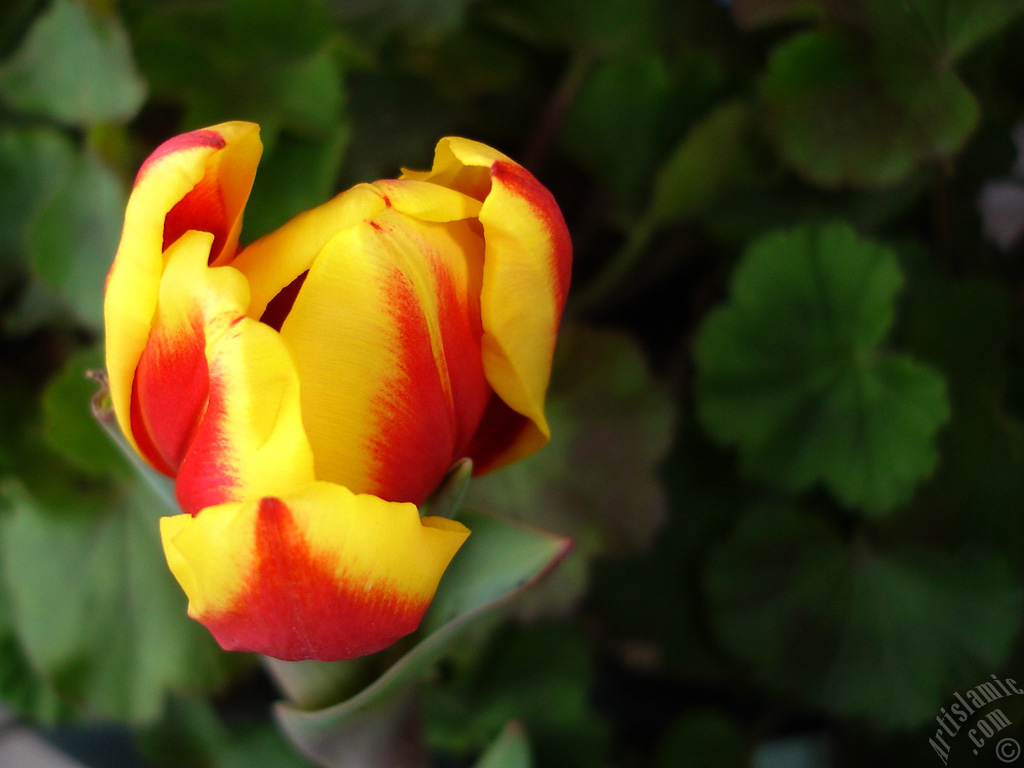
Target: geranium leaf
{"x": 855, "y": 631}
{"x": 95, "y": 608}
{"x": 836, "y": 125}
{"x": 75, "y": 67}
{"x": 941, "y": 29}
{"x": 34, "y": 164}
{"x": 611, "y": 127}
{"x": 75, "y": 235}
{"x": 69, "y": 425}
{"x": 791, "y": 371}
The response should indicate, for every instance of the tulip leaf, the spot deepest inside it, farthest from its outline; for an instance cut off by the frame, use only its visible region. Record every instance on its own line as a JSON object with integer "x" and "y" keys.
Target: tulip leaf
{"x": 510, "y": 750}
{"x": 497, "y": 562}
{"x": 858, "y": 632}
{"x": 792, "y": 373}
{"x": 75, "y": 236}
{"x": 74, "y": 66}
{"x": 836, "y": 124}
{"x": 448, "y": 499}
{"x": 95, "y": 608}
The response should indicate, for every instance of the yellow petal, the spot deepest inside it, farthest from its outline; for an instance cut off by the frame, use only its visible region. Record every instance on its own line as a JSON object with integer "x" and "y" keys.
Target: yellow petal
{"x": 527, "y": 266}
{"x": 385, "y": 336}
{"x": 223, "y": 157}
{"x": 315, "y": 573}
{"x": 217, "y": 391}
{"x": 277, "y": 259}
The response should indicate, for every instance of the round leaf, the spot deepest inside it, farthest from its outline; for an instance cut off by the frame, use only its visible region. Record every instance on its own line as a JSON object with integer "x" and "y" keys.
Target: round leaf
{"x": 839, "y": 122}
{"x": 95, "y": 608}
{"x": 75, "y": 235}
{"x": 857, "y": 632}
{"x": 70, "y": 427}
{"x": 790, "y": 371}
{"x": 75, "y": 68}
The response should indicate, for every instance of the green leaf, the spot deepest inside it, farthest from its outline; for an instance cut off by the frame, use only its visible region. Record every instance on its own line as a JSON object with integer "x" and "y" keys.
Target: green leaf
{"x": 22, "y": 688}
{"x": 938, "y": 29}
{"x": 450, "y": 496}
{"x": 791, "y": 372}
{"x": 838, "y": 122}
{"x": 74, "y": 67}
{"x": 963, "y": 328}
{"x": 295, "y": 175}
{"x": 75, "y": 236}
{"x": 496, "y": 563}
{"x": 704, "y": 500}
{"x": 854, "y": 631}
{"x": 703, "y": 738}
{"x": 611, "y": 125}
{"x": 510, "y": 750}
{"x": 751, "y": 14}
{"x": 192, "y": 733}
{"x": 540, "y": 675}
{"x": 713, "y": 154}
{"x": 384, "y": 139}
{"x": 605, "y": 28}
{"x": 271, "y": 63}
{"x": 13, "y": 21}
{"x": 427, "y": 18}
{"x": 69, "y": 424}
{"x": 95, "y": 608}
{"x": 34, "y": 164}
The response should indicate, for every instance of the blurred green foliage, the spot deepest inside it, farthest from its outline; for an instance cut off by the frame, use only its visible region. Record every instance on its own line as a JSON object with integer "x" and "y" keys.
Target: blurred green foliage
{"x": 787, "y": 407}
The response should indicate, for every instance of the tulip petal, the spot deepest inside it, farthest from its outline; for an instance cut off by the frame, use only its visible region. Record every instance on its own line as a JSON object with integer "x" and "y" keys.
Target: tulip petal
{"x": 216, "y": 392}
{"x": 200, "y": 181}
{"x": 527, "y": 266}
{"x": 279, "y": 258}
{"x": 318, "y": 573}
{"x": 397, "y": 394}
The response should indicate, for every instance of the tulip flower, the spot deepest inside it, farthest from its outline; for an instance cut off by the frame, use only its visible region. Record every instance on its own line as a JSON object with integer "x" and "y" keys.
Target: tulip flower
{"x": 310, "y": 391}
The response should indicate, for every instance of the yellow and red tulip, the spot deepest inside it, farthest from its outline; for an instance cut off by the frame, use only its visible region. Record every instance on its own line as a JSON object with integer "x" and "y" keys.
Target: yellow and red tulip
{"x": 309, "y": 391}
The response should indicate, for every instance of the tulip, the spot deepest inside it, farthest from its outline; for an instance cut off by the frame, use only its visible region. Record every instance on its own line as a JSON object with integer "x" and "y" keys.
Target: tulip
{"x": 309, "y": 392}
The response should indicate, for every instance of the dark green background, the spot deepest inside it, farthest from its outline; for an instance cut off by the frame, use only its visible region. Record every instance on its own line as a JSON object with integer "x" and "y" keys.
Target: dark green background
{"x": 787, "y": 406}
